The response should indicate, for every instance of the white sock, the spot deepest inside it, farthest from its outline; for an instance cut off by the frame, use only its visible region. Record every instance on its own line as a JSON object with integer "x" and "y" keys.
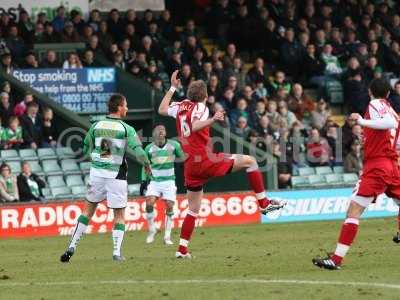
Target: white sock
{"x": 118, "y": 236}
{"x": 168, "y": 227}
{"x": 80, "y": 229}
{"x": 150, "y": 221}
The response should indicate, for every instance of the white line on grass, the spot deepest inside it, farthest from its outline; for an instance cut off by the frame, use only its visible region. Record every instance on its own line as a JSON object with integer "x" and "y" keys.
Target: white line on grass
{"x": 206, "y": 281}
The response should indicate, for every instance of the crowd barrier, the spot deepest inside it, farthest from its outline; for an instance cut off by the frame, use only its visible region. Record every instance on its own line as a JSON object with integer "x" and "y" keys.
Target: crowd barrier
{"x": 50, "y": 219}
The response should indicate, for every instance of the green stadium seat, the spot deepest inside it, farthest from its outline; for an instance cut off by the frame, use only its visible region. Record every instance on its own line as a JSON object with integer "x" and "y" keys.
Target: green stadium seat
{"x": 51, "y": 167}
{"x": 133, "y": 189}
{"x": 36, "y": 167}
{"x": 338, "y": 170}
{"x": 85, "y": 166}
{"x": 28, "y": 154}
{"x": 65, "y": 152}
{"x": 350, "y": 178}
{"x": 46, "y": 153}
{"x": 46, "y": 193}
{"x": 79, "y": 191}
{"x": 74, "y": 180}
{"x": 15, "y": 167}
{"x": 300, "y": 181}
{"x": 69, "y": 166}
{"x": 317, "y": 179}
{"x": 306, "y": 171}
{"x": 334, "y": 178}
{"x": 323, "y": 170}
{"x": 61, "y": 192}
{"x": 8, "y": 155}
{"x": 295, "y": 172}
{"x": 86, "y": 179}
{"x": 55, "y": 181}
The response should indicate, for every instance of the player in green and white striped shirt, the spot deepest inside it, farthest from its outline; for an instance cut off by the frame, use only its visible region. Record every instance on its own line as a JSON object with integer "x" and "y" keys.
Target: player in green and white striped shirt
{"x": 162, "y": 154}
{"x": 107, "y": 142}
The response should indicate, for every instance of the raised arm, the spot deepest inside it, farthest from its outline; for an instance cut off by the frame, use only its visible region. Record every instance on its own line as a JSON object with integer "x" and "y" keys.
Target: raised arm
{"x": 378, "y": 121}
{"x": 164, "y": 105}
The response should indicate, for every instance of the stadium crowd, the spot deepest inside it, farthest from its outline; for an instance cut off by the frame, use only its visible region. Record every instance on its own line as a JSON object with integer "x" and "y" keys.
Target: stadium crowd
{"x": 294, "y": 46}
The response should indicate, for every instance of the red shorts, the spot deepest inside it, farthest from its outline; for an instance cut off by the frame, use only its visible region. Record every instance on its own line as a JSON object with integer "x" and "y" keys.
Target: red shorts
{"x": 197, "y": 173}
{"x": 379, "y": 176}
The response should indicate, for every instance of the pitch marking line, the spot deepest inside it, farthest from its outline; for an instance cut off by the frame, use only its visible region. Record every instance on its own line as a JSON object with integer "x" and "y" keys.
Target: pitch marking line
{"x": 207, "y": 281}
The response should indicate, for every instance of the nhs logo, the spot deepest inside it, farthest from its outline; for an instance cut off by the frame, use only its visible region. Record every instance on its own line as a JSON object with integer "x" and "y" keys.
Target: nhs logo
{"x": 100, "y": 75}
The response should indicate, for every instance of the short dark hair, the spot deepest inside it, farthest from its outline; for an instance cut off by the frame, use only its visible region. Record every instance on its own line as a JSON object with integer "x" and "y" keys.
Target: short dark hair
{"x": 197, "y": 91}
{"x": 379, "y": 88}
{"x": 115, "y": 101}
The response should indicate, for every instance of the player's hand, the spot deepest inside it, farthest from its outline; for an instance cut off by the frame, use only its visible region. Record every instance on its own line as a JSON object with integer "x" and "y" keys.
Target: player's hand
{"x": 355, "y": 117}
{"x": 219, "y": 116}
{"x": 174, "y": 79}
{"x": 147, "y": 170}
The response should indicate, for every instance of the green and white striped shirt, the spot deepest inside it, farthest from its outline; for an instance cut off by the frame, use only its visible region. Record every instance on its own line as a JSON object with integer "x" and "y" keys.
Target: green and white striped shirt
{"x": 108, "y": 141}
{"x": 162, "y": 160}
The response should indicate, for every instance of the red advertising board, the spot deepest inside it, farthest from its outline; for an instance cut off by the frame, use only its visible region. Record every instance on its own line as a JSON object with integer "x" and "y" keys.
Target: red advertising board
{"x": 32, "y": 220}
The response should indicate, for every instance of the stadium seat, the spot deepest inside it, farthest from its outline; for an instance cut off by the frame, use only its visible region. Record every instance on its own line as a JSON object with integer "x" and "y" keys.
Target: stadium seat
{"x": 295, "y": 172}
{"x": 300, "y": 181}
{"x": 317, "y": 179}
{"x": 334, "y": 91}
{"x": 69, "y": 166}
{"x": 36, "y": 167}
{"x": 338, "y": 170}
{"x": 306, "y": 171}
{"x": 74, "y": 180}
{"x": 28, "y": 154}
{"x": 79, "y": 191}
{"x": 15, "y": 167}
{"x": 61, "y": 192}
{"x": 46, "y": 193}
{"x": 350, "y": 178}
{"x": 86, "y": 179}
{"x": 46, "y": 153}
{"x": 323, "y": 170}
{"x": 133, "y": 189}
{"x": 65, "y": 152}
{"x": 55, "y": 181}
{"x": 85, "y": 166}
{"x": 334, "y": 178}
{"x": 8, "y": 155}
{"x": 51, "y": 167}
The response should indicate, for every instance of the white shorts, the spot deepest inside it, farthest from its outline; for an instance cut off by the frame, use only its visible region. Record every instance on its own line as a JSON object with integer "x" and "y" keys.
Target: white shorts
{"x": 165, "y": 190}
{"x": 114, "y": 190}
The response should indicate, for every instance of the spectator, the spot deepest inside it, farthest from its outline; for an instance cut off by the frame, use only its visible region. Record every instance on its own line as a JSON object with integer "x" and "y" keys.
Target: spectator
{"x": 30, "y": 61}
{"x": 206, "y": 72}
{"x": 95, "y": 46}
{"x": 284, "y": 167}
{"x": 30, "y": 185}
{"x": 50, "y": 35}
{"x": 7, "y": 65}
{"x": 88, "y": 59}
{"x": 12, "y": 135}
{"x": 50, "y": 60}
{"x": 257, "y": 113}
{"x": 70, "y": 35}
{"x": 32, "y": 127}
{"x": 241, "y": 128}
{"x": 353, "y": 161}
{"x": 60, "y": 20}
{"x": 39, "y": 34}
{"x": 274, "y": 117}
{"x": 72, "y": 62}
{"x": 20, "y": 108}
{"x": 313, "y": 68}
{"x": 332, "y": 138}
{"x": 237, "y": 70}
{"x": 77, "y": 22}
{"x": 216, "y": 106}
{"x": 25, "y": 26}
{"x": 320, "y": 114}
{"x": 15, "y": 44}
{"x": 115, "y": 25}
{"x": 6, "y": 109}
{"x": 301, "y": 104}
{"x": 332, "y": 63}
{"x": 288, "y": 116}
{"x": 318, "y": 150}
{"x": 394, "y": 97}
{"x": 49, "y": 130}
{"x": 278, "y": 82}
{"x": 263, "y": 127}
{"x": 239, "y": 111}
{"x": 8, "y": 184}
{"x": 356, "y": 93}
{"x": 394, "y": 58}
{"x": 356, "y": 133}
{"x": 371, "y": 69}
{"x": 104, "y": 37}
{"x": 257, "y": 72}
{"x": 290, "y": 54}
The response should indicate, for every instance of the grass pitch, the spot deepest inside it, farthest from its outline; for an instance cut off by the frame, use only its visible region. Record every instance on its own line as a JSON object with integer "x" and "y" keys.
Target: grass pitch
{"x": 239, "y": 262}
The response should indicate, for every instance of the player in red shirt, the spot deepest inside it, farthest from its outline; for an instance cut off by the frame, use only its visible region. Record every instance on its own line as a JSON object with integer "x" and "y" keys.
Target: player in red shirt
{"x": 380, "y": 174}
{"x": 202, "y": 164}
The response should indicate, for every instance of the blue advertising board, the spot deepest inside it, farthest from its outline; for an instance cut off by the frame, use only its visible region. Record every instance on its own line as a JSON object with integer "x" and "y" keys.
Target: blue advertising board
{"x": 324, "y": 204}
{"x": 84, "y": 90}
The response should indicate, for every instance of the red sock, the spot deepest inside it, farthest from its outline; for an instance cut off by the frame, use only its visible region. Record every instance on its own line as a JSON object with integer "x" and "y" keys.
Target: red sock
{"x": 256, "y": 181}
{"x": 346, "y": 238}
{"x": 186, "y": 231}
{"x": 398, "y": 221}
